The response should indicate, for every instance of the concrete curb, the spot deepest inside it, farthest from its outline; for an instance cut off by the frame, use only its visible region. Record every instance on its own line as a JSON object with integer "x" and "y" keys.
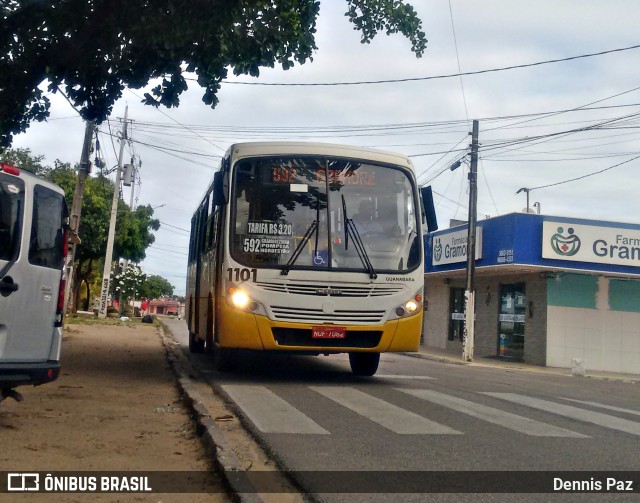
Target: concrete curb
{"x": 530, "y": 368}
{"x": 213, "y": 439}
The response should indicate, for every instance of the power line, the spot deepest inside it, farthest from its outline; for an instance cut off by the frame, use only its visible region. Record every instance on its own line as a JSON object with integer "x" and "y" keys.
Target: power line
{"x": 551, "y": 114}
{"x": 433, "y": 77}
{"x": 155, "y": 247}
{"x": 169, "y": 151}
{"x": 169, "y": 225}
{"x": 455, "y": 43}
{"x": 178, "y": 122}
{"x": 584, "y": 176}
{"x": 565, "y": 159}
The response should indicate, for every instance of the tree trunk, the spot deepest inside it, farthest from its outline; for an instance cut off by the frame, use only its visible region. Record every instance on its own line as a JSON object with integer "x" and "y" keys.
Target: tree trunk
{"x": 88, "y": 299}
{"x": 87, "y": 302}
{"x": 77, "y": 281}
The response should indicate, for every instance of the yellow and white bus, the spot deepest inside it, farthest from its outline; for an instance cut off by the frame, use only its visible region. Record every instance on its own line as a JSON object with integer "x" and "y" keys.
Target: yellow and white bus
{"x": 307, "y": 248}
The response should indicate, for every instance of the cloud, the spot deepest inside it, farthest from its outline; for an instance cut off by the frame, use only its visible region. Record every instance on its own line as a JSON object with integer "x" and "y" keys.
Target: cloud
{"x": 489, "y": 34}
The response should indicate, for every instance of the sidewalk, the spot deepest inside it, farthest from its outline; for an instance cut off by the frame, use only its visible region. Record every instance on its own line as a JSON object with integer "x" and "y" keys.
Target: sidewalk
{"x": 443, "y": 356}
{"x": 115, "y": 407}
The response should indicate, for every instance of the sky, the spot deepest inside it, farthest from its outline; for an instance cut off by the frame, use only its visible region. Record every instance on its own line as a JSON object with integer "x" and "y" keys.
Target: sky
{"x": 539, "y": 125}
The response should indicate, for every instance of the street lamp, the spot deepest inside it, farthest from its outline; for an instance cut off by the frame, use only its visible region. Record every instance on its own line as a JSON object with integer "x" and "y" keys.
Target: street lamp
{"x": 524, "y": 189}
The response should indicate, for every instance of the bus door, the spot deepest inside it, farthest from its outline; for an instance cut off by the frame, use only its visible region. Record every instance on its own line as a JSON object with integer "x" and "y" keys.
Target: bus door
{"x": 200, "y": 295}
{"x": 215, "y": 243}
{"x": 213, "y": 273}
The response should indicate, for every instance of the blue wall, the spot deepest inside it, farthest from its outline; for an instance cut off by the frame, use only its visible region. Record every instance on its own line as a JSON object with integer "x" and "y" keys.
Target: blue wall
{"x": 521, "y": 233}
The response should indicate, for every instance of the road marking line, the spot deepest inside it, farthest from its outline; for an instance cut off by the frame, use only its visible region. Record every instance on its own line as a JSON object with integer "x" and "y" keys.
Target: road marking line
{"x": 611, "y": 422}
{"x": 603, "y": 406}
{"x": 385, "y": 414}
{"x": 392, "y": 376}
{"x": 270, "y": 413}
{"x": 491, "y": 415}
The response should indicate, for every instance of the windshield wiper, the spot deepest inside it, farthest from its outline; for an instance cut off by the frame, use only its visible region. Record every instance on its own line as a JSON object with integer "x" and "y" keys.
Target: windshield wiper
{"x": 313, "y": 228}
{"x": 351, "y": 229}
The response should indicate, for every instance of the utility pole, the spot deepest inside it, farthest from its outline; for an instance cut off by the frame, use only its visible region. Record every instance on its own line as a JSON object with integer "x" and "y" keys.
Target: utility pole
{"x": 129, "y": 180}
{"x": 469, "y": 326}
{"x": 76, "y": 210}
{"x": 106, "y": 274}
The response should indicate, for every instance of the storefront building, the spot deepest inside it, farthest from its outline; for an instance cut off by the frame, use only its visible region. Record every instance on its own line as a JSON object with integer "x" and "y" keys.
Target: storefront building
{"x": 548, "y": 290}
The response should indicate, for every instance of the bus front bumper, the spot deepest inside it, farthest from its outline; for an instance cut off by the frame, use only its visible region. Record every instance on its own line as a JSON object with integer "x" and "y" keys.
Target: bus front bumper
{"x": 249, "y": 331}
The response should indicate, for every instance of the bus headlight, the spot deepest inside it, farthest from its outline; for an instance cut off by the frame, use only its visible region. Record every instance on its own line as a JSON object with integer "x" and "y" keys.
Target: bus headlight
{"x": 240, "y": 299}
{"x": 412, "y": 306}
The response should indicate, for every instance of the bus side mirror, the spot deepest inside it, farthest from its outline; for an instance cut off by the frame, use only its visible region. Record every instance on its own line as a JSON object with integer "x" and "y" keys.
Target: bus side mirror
{"x": 221, "y": 188}
{"x": 429, "y": 208}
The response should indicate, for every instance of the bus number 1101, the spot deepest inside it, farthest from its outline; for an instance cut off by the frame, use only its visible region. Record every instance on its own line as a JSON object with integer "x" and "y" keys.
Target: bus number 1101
{"x": 242, "y": 274}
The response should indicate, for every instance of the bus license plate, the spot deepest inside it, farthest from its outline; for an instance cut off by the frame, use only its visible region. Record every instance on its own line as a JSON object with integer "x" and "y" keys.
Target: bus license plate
{"x": 329, "y": 332}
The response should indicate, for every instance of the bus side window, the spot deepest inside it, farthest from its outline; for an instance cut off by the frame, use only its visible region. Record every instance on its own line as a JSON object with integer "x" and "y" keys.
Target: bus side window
{"x": 192, "y": 237}
{"x": 45, "y": 248}
{"x": 213, "y": 229}
{"x": 202, "y": 230}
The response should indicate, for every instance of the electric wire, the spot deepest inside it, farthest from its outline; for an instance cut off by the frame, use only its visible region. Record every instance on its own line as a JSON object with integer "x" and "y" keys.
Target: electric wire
{"x": 178, "y": 122}
{"x": 174, "y": 227}
{"x": 584, "y": 176}
{"x": 433, "y": 77}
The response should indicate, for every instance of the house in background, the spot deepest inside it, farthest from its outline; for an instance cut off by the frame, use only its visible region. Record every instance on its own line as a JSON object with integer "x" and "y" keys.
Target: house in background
{"x": 164, "y": 306}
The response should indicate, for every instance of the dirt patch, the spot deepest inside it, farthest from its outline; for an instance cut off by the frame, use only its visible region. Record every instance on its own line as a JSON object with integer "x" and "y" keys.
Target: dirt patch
{"x": 115, "y": 407}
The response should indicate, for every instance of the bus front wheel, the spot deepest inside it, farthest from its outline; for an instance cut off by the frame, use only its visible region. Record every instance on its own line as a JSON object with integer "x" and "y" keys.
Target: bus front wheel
{"x": 195, "y": 345}
{"x": 364, "y": 364}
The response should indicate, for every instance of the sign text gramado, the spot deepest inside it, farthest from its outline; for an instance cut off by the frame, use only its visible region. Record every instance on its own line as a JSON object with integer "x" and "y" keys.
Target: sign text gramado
{"x": 452, "y": 247}
{"x": 590, "y": 243}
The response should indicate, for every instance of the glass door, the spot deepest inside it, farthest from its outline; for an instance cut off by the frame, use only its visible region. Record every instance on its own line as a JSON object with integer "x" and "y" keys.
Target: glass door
{"x": 456, "y": 314}
{"x": 511, "y": 321}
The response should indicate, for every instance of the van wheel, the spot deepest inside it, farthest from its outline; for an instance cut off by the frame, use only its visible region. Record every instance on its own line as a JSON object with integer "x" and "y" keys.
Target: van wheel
{"x": 195, "y": 345}
{"x": 225, "y": 359}
{"x": 364, "y": 364}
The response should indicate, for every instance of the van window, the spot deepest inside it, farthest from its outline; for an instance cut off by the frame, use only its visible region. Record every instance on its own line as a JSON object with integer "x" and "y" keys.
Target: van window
{"x": 11, "y": 215}
{"x": 45, "y": 248}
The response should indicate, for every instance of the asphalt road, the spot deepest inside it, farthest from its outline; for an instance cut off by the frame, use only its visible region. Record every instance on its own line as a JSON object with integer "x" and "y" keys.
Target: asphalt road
{"x": 423, "y": 415}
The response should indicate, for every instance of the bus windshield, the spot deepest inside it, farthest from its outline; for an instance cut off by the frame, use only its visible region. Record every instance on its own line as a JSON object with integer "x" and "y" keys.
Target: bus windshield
{"x": 290, "y": 212}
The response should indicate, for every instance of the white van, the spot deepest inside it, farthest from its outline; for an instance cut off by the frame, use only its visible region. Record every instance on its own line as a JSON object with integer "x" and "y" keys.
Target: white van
{"x": 33, "y": 223}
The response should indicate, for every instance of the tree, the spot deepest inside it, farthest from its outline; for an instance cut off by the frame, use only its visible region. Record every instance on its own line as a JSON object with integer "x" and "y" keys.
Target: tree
{"x": 133, "y": 228}
{"x": 133, "y": 231}
{"x": 22, "y": 158}
{"x": 129, "y": 283}
{"x": 94, "y": 49}
{"x": 155, "y": 287}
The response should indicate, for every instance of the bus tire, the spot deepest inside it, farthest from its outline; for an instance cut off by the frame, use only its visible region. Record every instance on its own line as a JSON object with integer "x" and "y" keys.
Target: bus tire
{"x": 364, "y": 364}
{"x": 195, "y": 345}
{"x": 209, "y": 346}
{"x": 224, "y": 359}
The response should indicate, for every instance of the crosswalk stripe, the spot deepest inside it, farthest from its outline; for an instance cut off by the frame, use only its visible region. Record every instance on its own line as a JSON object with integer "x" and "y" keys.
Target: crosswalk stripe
{"x": 385, "y": 414}
{"x": 491, "y": 415}
{"x": 394, "y": 376}
{"x": 603, "y": 406}
{"x": 270, "y": 413}
{"x": 611, "y": 422}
